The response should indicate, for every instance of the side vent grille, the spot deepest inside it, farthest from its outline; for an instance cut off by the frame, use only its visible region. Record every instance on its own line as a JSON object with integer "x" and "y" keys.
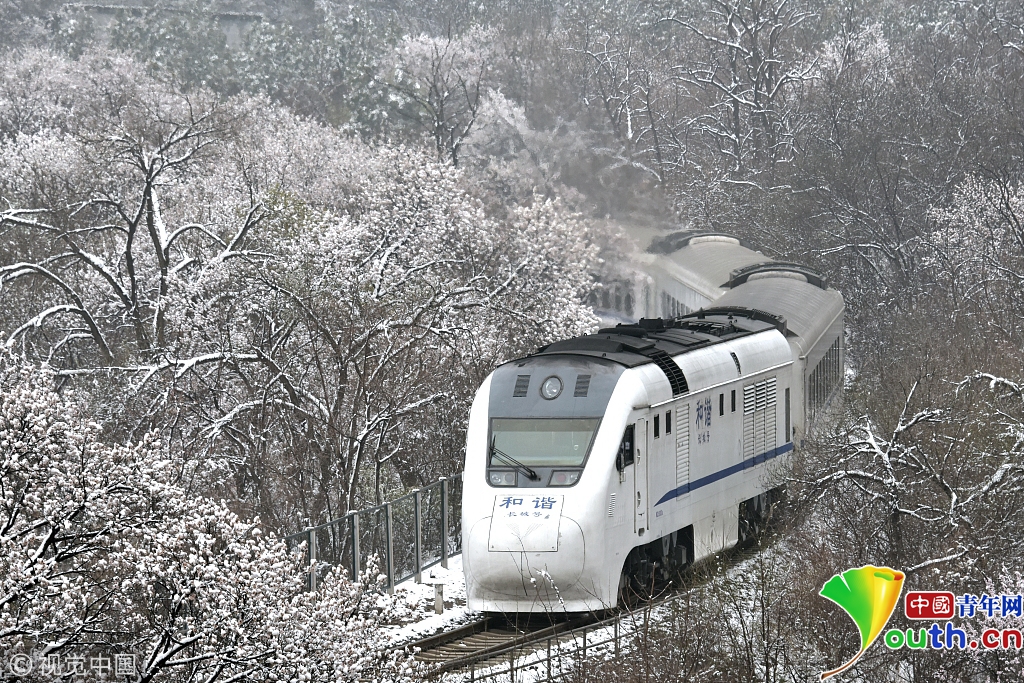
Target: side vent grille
{"x": 759, "y": 407}
{"x": 675, "y": 375}
{"x": 522, "y": 385}
{"x": 682, "y": 445}
{"x": 582, "y": 386}
{"x": 611, "y": 505}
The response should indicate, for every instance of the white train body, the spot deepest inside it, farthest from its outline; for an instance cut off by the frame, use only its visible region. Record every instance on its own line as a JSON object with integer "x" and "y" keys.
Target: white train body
{"x": 699, "y": 451}
{"x": 559, "y": 510}
{"x": 687, "y": 271}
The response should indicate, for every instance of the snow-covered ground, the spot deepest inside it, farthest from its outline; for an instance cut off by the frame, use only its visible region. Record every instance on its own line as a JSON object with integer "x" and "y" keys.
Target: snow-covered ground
{"x": 420, "y": 621}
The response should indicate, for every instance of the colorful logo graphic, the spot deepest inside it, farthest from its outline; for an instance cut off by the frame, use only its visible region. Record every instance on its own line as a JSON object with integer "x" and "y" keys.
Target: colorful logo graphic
{"x": 869, "y": 595}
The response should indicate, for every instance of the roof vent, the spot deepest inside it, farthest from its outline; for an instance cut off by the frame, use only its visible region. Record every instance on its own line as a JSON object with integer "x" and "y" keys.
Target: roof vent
{"x": 737, "y": 362}
{"x": 582, "y": 386}
{"x": 771, "y": 269}
{"x": 522, "y": 386}
{"x": 675, "y": 375}
{"x": 764, "y": 275}
{"x": 724, "y": 239}
{"x": 675, "y": 241}
{"x": 630, "y": 330}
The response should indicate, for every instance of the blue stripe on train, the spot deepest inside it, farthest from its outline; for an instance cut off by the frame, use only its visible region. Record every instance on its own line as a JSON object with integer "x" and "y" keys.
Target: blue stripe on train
{"x": 722, "y": 474}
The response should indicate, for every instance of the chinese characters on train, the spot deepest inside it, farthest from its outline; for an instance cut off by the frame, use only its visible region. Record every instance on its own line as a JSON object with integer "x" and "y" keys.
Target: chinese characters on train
{"x": 703, "y": 421}
{"x": 539, "y": 507}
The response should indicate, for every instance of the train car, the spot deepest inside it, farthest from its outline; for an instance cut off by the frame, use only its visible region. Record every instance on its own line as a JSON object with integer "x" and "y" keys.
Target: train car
{"x": 814, "y": 315}
{"x": 600, "y": 459}
{"x": 687, "y": 271}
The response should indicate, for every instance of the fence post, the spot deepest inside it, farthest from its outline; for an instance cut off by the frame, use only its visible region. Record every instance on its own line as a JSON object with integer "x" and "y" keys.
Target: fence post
{"x": 549, "y": 659}
{"x": 355, "y": 546}
{"x": 311, "y": 549}
{"x": 616, "y": 638}
{"x": 439, "y": 598}
{"x": 418, "y": 500}
{"x": 389, "y": 533}
{"x": 444, "y": 523}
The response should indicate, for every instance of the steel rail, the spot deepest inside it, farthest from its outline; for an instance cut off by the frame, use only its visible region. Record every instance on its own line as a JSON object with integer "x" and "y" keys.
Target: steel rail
{"x": 476, "y": 643}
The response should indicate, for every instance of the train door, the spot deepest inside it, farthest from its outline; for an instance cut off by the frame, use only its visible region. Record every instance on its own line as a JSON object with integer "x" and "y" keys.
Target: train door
{"x": 640, "y": 476}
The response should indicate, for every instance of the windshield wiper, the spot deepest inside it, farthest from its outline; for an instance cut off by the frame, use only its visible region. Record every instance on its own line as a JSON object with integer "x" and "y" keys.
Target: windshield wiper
{"x": 509, "y": 460}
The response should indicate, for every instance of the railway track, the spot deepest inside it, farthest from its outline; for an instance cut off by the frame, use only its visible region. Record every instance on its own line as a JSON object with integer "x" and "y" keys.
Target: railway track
{"x": 488, "y": 638}
{"x": 492, "y": 639}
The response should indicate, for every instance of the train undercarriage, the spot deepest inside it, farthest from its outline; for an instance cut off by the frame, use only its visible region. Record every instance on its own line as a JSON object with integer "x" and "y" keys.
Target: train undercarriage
{"x": 651, "y": 568}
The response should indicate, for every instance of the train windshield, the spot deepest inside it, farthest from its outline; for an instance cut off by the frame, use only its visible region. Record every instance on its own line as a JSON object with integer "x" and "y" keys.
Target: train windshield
{"x": 541, "y": 442}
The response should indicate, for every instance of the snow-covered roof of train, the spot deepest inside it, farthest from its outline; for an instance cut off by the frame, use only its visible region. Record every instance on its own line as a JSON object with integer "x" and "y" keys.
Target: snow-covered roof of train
{"x": 704, "y": 262}
{"x": 656, "y": 341}
{"x": 809, "y": 308}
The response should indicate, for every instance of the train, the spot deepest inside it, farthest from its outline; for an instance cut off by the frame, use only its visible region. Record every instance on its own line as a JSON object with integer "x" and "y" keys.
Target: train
{"x": 598, "y": 464}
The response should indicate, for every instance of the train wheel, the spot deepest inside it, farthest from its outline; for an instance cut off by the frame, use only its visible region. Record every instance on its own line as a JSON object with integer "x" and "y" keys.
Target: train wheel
{"x": 623, "y": 590}
{"x": 751, "y": 520}
{"x": 757, "y": 515}
{"x": 644, "y": 573}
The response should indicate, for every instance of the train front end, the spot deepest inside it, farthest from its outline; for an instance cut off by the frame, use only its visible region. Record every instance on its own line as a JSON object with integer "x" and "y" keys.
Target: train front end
{"x": 541, "y": 445}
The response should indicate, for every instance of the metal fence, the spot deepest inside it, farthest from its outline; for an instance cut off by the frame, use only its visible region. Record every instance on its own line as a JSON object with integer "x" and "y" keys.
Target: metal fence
{"x": 409, "y": 534}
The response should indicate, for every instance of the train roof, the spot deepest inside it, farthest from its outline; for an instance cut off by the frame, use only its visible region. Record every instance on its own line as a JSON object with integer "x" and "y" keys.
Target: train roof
{"x": 792, "y": 292}
{"x": 704, "y": 261}
{"x": 657, "y": 340}
{"x": 727, "y": 271}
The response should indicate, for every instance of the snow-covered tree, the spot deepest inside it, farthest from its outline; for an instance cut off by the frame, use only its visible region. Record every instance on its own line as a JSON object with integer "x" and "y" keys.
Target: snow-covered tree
{"x": 438, "y": 84}
{"x": 266, "y": 288}
{"x": 934, "y": 487}
{"x": 104, "y": 551}
{"x": 975, "y": 251}
{"x": 999, "y": 664}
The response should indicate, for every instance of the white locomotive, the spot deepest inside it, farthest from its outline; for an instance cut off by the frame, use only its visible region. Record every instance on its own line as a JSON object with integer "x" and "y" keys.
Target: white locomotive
{"x": 598, "y": 459}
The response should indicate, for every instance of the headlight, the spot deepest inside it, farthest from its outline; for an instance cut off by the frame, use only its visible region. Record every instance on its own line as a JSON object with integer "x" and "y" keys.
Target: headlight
{"x": 564, "y": 478}
{"x": 502, "y": 478}
{"x": 551, "y": 388}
